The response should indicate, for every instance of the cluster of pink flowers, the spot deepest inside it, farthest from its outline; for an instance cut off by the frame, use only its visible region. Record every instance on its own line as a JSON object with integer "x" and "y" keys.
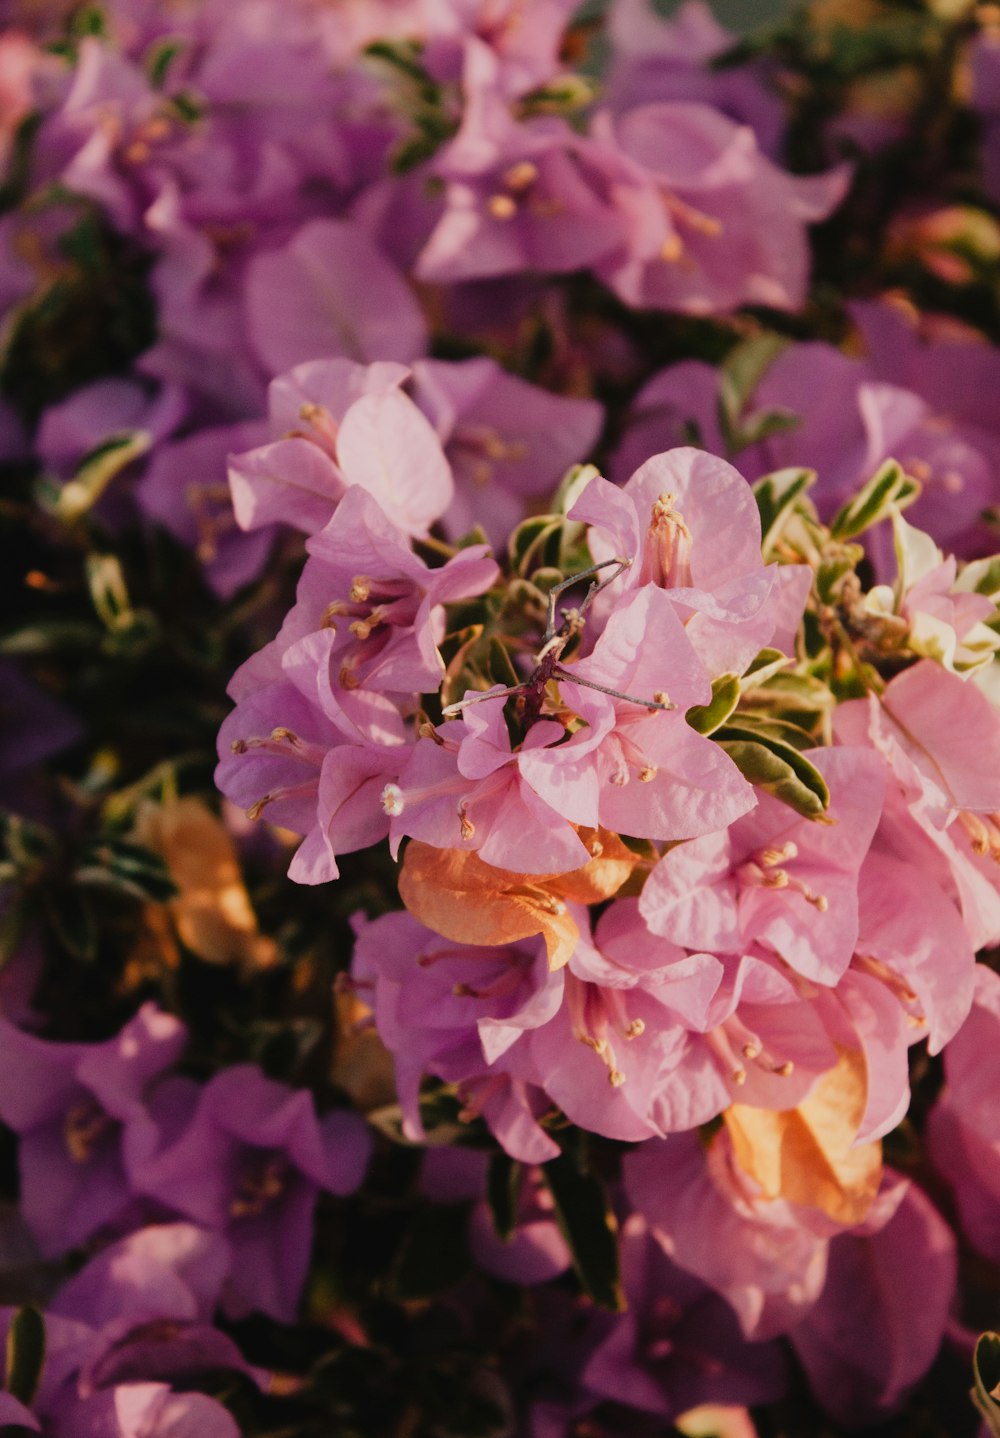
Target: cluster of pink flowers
{"x": 755, "y": 948}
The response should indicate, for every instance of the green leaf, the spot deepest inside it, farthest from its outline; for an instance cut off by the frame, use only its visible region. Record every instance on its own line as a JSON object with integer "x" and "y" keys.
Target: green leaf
{"x": 546, "y": 541}
{"x": 89, "y": 20}
{"x": 188, "y": 106}
{"x": 793, "y": 693}
{"x": 439, "y": 1110}
{"x": 121, "y": 864}
{"x": 832, "y": 571}
{"x": 525, "y": 539}
{"x": 47, "y": 636}
{"x": 19, "y": 169}
{"x": 159, "y": 59}
{"x": 108, "y": 590}
{"x": 761, "y": 425}
{"x": 771, "y": 763}
{"x": 25, "y": 1354}
{"x": 97, "y": 471}
{"x": 589, "y": 1228}
{"x": 741, "y": 372}
{"x": 776, "y": 495}
{"x": 476, "y": 535}
{"x": 25, "y": 842}
{"x": 503, "y": 1189}
{"x": 781, "y": 731}
{"x": 986, "y": 1371}
{"x": 706, "y": 718}
{"x": 13, "y": 923}
{"x": 986, "y": 576}
{"x": 769, "y": 661}
{"x": 402, "y": 55}
{"x": 72, "y": 919}
{"x": 502, "y": 669}
{"x": 135, "y": 635}
{"x": 888, "y": 487}
{"x": 562, "y": 96}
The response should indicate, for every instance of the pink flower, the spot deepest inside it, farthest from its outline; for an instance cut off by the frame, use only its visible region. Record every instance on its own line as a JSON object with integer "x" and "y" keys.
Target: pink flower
{"x": 690, "y": 524}
{"x": 658, "y": 778}
{"x": 963, "y": 1130}
{"x": 319, "y": 729}
{"x": 468, "y": 788}
{"x": 775, "y": 879}
{"x": 279, "y": 753}
{"x": 378, "y": 606}
{"x": 621, "y": 1029}
{"x": 941, "y": 739}
{"x": 761, "y": 1042}
{"x": 767, "y": 1257}
{"x": 338, "y": 425}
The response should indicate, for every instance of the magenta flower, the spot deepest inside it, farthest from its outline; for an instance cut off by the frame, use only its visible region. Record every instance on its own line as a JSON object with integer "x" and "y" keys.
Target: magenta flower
{"x": 250, "y": 1164}
{"x": 330, "y": 291}
{"x": 69, "y": 430}
{"x": 457, "y": 1011}
{"x": 530, "y": 196}
{"x": 536, "y": 1252}
{"x": 679, "y": 1344}
{"x": 699, "y": 203}
{"x": 879, "y": 1321}
{"x": 89, "y": 1117}
{"x": 670, "y": 59}
{"x": 914, "y": 398}
{"x": 184, "y": 488}
{"x": 523, "y": 43}
{"x": 508, "y": 442}
{"x": 149, "y": 1301}
{"x": 145, "y": 1410}
{"x": 678, "y": 406}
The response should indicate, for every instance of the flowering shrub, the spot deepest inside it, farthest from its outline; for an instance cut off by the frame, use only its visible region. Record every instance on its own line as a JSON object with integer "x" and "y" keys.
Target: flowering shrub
{"x": 499, "y": 838}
